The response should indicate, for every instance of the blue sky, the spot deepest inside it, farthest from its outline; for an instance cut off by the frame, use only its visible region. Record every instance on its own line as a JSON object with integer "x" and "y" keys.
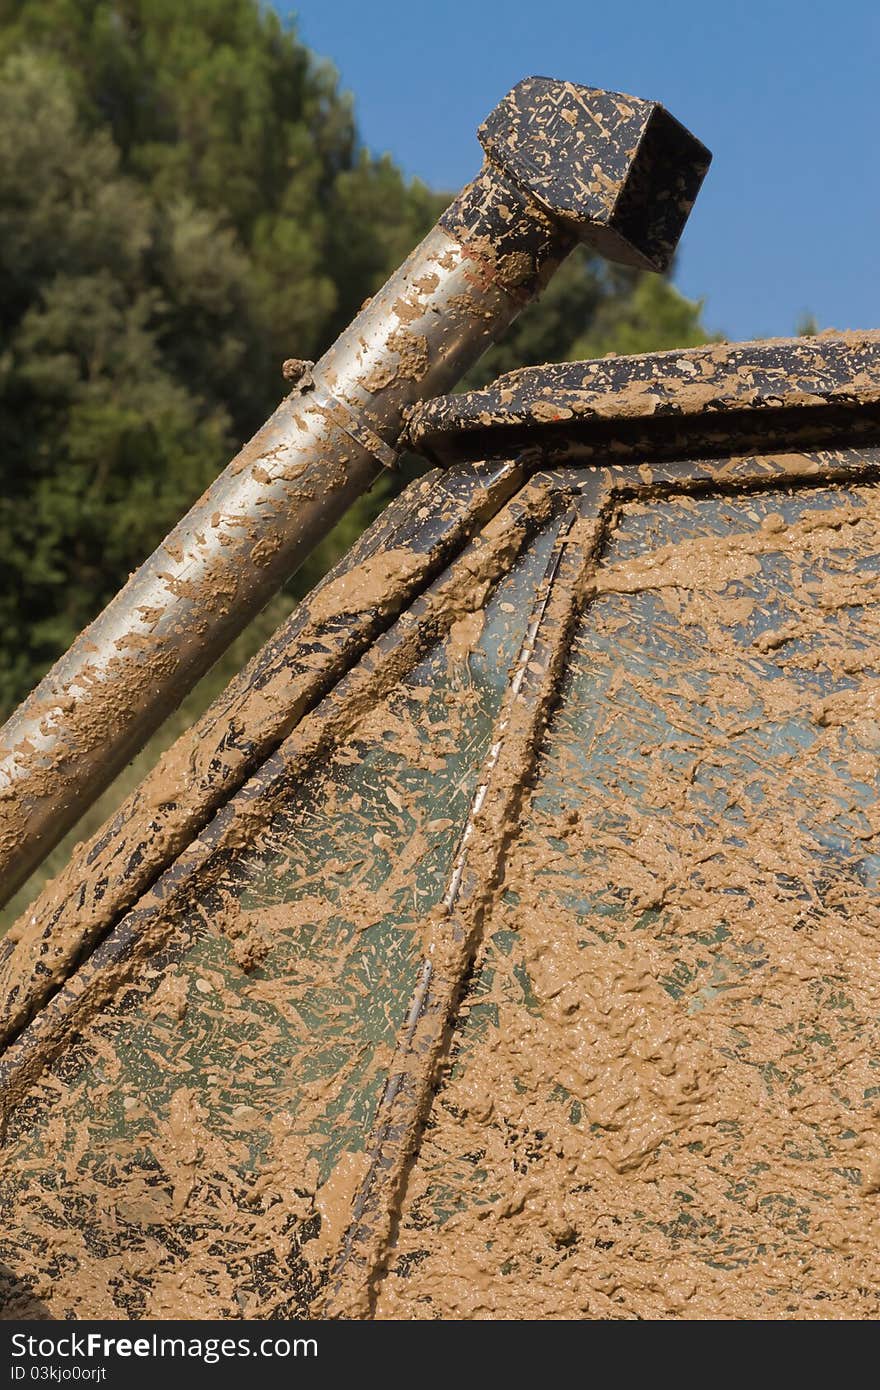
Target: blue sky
{"x": 784, "y": 92}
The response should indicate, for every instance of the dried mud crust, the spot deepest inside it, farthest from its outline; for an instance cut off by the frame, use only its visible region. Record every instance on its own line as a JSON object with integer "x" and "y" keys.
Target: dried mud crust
{"x": 195, "y": 1153}
{"x": 662, "y": 1097}
{"x": 669, "y": 404}
{"x": 207, "y": 764}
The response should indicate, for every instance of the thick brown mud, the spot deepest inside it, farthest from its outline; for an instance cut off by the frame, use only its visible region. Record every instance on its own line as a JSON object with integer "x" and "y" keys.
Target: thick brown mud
{"x": 662, "y": 1097}
{"x": 661, "y": 1092}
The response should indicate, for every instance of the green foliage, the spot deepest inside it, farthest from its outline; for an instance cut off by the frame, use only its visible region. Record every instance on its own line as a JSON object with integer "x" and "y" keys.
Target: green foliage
{"x": 590, "y": 309}
{"x": 547, "y": 329}
{"x": 644, "y": 313}
{"x": 184, "y": 202}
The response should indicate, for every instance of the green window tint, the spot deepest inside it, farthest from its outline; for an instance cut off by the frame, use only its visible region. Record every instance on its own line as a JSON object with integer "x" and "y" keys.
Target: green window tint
{"x": 180, "y": 1144}
{"x": 662, "y": 1097}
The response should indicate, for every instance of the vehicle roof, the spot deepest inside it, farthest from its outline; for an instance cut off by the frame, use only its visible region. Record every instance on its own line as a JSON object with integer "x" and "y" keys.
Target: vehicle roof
{"x": 627, "y": 403}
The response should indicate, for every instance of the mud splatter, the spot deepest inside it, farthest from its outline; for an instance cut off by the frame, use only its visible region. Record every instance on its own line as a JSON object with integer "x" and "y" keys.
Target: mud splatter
{"x": 191, "y": 1154}
{"x": 662, "y": 1098}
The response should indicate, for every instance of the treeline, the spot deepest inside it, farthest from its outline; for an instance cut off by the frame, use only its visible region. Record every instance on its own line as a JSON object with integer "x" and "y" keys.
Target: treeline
{"x": 185, "y": 202}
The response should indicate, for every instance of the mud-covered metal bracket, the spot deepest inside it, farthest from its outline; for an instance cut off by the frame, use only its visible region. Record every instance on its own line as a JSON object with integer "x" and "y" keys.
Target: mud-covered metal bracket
{"x": 551, "y": 137}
